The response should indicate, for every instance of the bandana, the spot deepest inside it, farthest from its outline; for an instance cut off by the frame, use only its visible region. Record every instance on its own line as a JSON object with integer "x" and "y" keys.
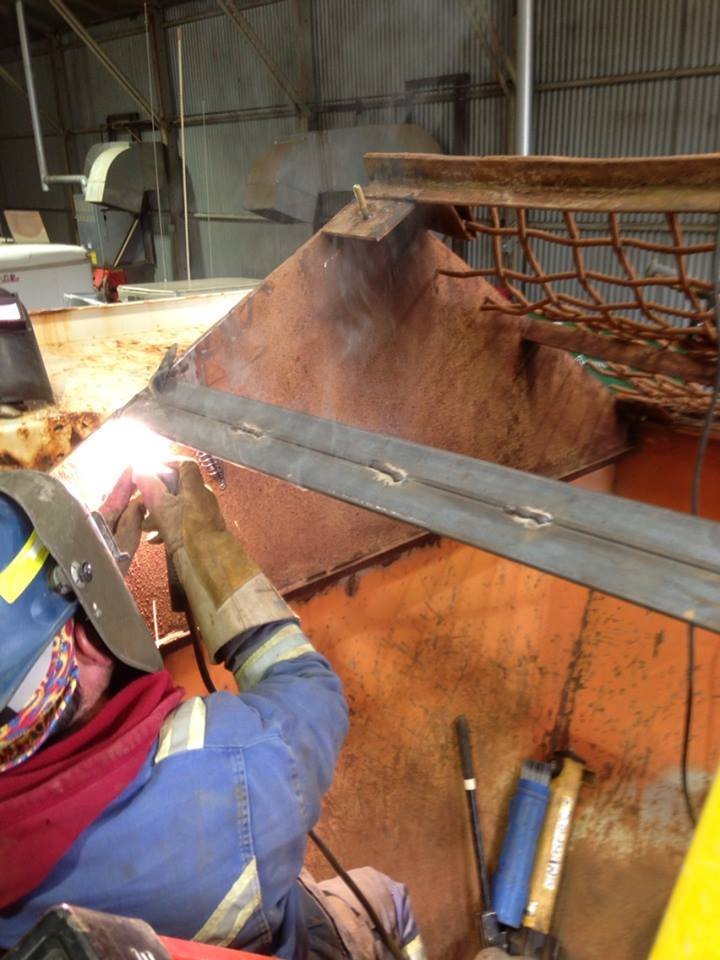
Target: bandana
{"x": 48, "y": 801}
{"x": 36, "y": 719}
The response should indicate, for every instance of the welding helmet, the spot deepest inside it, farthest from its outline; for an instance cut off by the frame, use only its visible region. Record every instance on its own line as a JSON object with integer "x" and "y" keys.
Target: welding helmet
{"x": 31, "y": 612}
{"x": 54, "y": 558}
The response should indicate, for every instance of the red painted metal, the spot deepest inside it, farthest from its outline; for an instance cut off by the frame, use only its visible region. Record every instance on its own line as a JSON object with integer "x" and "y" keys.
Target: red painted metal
{"x": 190, "y": 950}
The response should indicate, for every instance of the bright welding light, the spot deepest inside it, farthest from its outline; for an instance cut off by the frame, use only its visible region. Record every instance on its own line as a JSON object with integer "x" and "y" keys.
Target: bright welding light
{"x": 95, "y": 466}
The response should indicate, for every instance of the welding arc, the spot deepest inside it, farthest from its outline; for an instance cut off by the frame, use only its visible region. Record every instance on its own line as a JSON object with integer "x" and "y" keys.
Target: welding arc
{"x": 695, "y": 510}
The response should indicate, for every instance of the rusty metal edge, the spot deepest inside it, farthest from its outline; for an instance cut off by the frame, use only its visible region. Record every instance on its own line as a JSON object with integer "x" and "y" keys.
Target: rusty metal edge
{"x": 634, "y": 184}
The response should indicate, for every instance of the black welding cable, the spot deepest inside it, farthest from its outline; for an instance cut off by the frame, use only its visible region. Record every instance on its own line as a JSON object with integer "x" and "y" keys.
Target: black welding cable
{"x": 695, "y": 509}
{"x": 320, "y": 844}
{"x": 199, "y": 655}
{"x": 387, "y": 940}
{"x": 687, "y": 726}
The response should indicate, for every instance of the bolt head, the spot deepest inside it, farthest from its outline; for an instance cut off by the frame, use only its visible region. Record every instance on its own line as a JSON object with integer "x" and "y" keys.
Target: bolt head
{"x": 81, "y": 572}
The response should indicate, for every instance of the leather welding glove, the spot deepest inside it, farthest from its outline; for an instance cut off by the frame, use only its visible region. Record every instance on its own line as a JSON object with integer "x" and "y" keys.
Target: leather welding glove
{"x": 227, "y": 591}
{"x": 123, "y": 513}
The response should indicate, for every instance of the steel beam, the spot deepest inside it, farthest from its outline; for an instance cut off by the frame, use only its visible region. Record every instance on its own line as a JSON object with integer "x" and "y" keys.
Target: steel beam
{"x": 111, "y": 67}
{"x": 660, "y": 559}
{"x": 302, "y": 11}
{"x": 483, "y": 25}
{"x": 20, "y": 89}
{"x": 634, "y": 184}
{"x": 239, "y": 21}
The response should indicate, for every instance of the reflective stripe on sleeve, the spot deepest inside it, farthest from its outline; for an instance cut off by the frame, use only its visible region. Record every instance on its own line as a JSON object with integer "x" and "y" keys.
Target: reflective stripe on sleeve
{"x": 23, "y": 568}
{"x": 183, "y": 730}
{"x": 415, "y": 950}
{"x": 234, "y": 910}
{"x": 287, "y": 644}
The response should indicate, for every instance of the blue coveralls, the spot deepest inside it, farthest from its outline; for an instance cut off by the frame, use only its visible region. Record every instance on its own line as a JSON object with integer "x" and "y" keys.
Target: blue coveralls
{"x": 208, "y": 841}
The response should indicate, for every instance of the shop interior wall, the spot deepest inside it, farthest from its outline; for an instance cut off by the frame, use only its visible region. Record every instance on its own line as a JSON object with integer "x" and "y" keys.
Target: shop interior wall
{"x": 612, "y": 78}
{"x": 536, "y": 664}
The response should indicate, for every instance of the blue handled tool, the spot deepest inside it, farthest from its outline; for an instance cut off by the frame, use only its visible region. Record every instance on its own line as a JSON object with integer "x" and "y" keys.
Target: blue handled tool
{"x": 527, "y": 813}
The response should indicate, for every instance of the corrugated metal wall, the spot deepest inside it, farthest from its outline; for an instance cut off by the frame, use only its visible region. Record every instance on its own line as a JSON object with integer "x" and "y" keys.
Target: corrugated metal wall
{"x": 613, "y": 77}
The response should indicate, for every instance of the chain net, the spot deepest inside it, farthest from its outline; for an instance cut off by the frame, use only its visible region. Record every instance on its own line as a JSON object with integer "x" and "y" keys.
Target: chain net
{"x": 598, "y": 272}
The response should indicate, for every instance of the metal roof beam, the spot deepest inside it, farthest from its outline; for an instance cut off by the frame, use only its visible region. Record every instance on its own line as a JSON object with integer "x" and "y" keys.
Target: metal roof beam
{"x": 40, "y": 25}
{"x": 489, "y": 38}
{"x": 111, "y": 67}
{"x": 20, "y": 89}
{"x": 241, "y": 23}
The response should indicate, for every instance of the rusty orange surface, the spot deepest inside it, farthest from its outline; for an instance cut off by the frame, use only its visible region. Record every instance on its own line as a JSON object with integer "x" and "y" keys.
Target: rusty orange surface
{"x": 369, "y": 335}
{"x": 534, "y": 662}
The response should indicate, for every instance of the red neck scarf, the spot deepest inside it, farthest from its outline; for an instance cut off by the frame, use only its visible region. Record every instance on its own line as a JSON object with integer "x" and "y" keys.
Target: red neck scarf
{"x": 47, "y": 802}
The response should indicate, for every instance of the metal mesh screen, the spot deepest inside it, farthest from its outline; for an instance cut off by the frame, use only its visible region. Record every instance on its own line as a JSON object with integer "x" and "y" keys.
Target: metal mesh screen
{"x": 598, "y": 272}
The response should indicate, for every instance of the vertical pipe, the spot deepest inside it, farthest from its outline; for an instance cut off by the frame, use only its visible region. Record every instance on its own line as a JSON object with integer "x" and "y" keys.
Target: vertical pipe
{"x": 181, "y": 85}
{"x": 523, "y": 113}
{"x": 32, "y": 99}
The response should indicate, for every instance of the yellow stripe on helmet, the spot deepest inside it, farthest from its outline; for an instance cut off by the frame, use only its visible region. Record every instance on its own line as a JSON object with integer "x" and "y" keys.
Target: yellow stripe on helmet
{"x": 23, "y": 568}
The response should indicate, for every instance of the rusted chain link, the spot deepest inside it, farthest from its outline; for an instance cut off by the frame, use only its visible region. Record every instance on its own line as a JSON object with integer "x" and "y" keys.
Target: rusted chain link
{"x": 625, "y": 308}
{"x": 632, "y": 314}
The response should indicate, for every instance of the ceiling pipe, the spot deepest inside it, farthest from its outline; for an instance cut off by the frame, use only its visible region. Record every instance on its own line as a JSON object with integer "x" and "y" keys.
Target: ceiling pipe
{"x": 524, "y": 92}
{"x": 32, "y": 97}
{"x": 46, "y": 179}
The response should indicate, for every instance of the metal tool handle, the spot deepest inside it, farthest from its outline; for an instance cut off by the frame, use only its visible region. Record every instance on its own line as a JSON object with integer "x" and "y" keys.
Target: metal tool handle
{"x": 466, "y": 757}
{"x": 468, "y": 770}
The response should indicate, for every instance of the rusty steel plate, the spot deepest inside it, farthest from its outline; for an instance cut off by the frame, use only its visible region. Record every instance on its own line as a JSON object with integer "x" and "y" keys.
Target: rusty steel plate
{"x": 368, "y": 334}
{"x": 632, "y": 184}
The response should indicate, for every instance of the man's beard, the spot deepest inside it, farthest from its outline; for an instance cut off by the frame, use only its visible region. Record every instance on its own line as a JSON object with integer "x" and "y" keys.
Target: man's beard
{"x": 65, "y": 723}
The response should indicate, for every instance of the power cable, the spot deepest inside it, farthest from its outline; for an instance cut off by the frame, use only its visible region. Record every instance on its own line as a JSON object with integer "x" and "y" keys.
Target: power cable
{"x": 695, "y": 510}
{"x": 151, "y": 90}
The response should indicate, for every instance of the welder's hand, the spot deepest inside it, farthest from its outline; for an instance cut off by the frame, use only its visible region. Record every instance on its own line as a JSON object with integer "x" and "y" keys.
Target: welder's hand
{"x": 179, "y": 519}
{"x": 226, "y": 589}
{"x": 117, "y": 500}
{"x": 123, "y": 512}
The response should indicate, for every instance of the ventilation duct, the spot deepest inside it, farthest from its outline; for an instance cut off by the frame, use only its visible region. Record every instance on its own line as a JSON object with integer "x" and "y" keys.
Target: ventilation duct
{"x": 287, "y": 180}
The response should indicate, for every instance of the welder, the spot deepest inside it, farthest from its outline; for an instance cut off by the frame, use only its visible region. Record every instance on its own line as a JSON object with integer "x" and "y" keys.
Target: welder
{"x": 119, "y": 794}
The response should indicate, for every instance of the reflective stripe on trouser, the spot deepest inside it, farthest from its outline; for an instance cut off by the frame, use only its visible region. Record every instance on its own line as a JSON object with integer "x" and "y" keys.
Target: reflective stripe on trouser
{"x": 389, "y": 899}
{"x": 234, "y": 910}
